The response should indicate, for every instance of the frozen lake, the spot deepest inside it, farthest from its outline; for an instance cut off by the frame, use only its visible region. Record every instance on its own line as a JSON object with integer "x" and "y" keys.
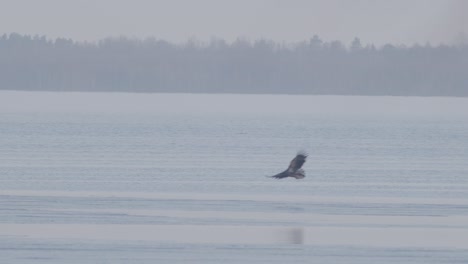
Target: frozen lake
{"x": 177, "y": 178}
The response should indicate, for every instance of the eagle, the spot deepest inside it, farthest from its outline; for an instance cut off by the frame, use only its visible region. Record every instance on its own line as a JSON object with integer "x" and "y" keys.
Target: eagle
{"x": 294, "y": 170}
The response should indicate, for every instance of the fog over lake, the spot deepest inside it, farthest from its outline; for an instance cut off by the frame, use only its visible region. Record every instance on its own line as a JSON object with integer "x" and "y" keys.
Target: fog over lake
{"x": 149, "y": 131}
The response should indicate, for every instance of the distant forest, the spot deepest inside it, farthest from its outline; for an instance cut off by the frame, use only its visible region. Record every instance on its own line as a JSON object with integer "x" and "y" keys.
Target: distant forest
{"x": 36, "y": 63}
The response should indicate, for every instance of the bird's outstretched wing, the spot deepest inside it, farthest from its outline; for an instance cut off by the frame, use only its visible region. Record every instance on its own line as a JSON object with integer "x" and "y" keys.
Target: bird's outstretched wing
{"x": 281, "y": 175}
{"x": 294, "y": 169}
{"x": 297, "y": 162}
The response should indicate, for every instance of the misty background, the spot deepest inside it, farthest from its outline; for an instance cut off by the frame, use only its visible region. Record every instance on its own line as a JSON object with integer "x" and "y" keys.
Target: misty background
{"x": 35, "y": 63}
{"x": 374, "y": 21}
{"x": 362, "y": 47}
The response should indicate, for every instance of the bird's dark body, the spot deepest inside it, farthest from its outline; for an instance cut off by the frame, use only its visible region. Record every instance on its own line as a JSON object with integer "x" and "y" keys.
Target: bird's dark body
{"x": 294, "y": 170}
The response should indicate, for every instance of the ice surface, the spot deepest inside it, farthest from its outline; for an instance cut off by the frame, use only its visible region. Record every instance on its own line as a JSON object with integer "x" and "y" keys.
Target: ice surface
{"x": 146, "y": 178}
{"x": 209, "y": 104}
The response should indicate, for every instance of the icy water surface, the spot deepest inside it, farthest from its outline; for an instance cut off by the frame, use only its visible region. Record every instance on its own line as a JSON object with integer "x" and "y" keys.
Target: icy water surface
{"x": 156, "y": 186}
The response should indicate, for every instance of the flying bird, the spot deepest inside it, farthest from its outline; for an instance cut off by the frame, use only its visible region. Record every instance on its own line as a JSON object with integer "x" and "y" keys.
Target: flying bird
{"x": 294, "y": 170}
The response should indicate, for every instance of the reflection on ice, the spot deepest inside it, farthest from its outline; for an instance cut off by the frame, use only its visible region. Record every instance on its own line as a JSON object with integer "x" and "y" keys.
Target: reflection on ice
{"x": 297, "y": 235}
{"x": 160, "y": 233}
{"x": 211, "y": 234}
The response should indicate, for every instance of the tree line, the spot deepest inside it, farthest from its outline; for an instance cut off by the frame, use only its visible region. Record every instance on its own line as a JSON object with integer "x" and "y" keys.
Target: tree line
{"x": 314, "y": 66}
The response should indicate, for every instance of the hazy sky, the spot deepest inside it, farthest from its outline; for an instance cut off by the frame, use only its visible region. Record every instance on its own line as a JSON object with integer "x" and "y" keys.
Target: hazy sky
{"x": 374, "y": 21}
